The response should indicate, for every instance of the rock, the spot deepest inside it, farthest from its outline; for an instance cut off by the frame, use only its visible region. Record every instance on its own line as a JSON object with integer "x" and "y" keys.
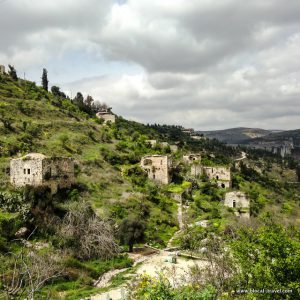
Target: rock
{"x": 21, "y": 232}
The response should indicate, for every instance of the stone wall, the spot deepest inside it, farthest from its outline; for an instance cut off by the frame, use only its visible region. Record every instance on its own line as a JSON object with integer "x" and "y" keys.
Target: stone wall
{"x": 38, "y": 170}
{"x": 221, "y": 174}
{"x": 236, "y": 200}
{"x": 239, "y": 202}
{"x": 2, "y": 69}
{"x": 151, "y": 142}
{"x": 107, "y": 117}
{"x": 173, "y": 148}
{"x": 157, "y": 167}
{"x": 196, "y": 170}
{"x": 190, "y": 158}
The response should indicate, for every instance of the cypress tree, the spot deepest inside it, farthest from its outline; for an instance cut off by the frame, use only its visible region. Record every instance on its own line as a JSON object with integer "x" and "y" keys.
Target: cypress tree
{"x": 45, "y": 80}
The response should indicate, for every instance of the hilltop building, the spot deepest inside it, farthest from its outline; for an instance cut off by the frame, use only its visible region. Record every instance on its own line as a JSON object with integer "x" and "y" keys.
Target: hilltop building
{"x": 239, "y": 202}
{"x": 2, "y": 70}
{"x": 221, "y": 174}
{"x": 157, "y": 167}
{"x": 35, "y": 169}
{"x": 106, "y": 115}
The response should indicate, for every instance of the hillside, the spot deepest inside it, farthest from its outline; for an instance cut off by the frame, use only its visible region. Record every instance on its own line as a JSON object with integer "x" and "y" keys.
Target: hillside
{"x": 87, "y": 230}
{"x": 235, "y": 135}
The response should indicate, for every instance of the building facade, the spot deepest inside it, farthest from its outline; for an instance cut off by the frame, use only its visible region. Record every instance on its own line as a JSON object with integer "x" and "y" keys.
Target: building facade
{"x": 157, "y": 167}
{"x": 36, "y": 169}
{"x": 239, "y": 202}
{"x": 221, "y": 175}
{"x": 106, "y": 115}
{"x": 2, "y": 69}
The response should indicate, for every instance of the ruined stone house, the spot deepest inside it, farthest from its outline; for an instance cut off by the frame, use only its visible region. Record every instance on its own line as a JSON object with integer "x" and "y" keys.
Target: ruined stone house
{"x": 36, "y": 169}
{"x": 2, "y": 70}
{"x": 106, "y": 115}
{"x": 239, "y": 202}
{"x": 173, "y": 148}
{"x": 221, "y": 175}
{"x": 164, "y": 144}
{"x": 194, "y": 160}
{"x": 191, "y": 158}
{"x": 157, "y": 167}
{"x": 151, "y": 142}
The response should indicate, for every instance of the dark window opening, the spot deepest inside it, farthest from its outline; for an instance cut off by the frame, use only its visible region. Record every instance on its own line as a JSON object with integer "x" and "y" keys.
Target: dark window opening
{"x": 217, "y": 177}
{"x": 233, "y": 204}
{"x": 24, "y": 171}
{"x": 28, "y": 171}
{"x": 223, "y": 185}
{"x": 153, "y": 176}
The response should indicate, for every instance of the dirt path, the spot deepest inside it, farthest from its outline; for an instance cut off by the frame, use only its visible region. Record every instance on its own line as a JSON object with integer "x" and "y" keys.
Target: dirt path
{"x": 153, "y": 264}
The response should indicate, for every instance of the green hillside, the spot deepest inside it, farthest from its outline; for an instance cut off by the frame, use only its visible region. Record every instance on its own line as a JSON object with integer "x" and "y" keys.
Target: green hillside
{"x": 110, "y": 186}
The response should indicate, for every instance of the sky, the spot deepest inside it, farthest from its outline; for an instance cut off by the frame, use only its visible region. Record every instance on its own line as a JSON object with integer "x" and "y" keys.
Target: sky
{"x": 204, "y": 64}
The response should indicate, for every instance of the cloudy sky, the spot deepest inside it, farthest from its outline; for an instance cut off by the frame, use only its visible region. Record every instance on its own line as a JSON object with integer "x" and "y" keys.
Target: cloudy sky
{"x": 205, "y": 64}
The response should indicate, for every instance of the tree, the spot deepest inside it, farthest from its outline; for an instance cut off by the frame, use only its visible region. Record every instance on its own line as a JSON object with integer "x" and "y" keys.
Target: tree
{"x": 89, "y": 101}
{"x": 87, "y": 235}
{"x": 131, "y": 231}
{"x": 79, "y": 101}
{"x": 12, "y": 72}
{"x": 55, "y": 90}
{"x": 28, "y": 272}
{"x": 45, "y": 80}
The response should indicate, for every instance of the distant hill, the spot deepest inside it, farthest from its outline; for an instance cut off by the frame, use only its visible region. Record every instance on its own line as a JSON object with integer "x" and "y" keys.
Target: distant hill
{"x": 237, "y": 135}
{"x": 284, "y": 142}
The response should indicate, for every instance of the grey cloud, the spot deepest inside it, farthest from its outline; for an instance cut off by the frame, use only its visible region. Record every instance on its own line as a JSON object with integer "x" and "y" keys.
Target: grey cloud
{"x": 206, "y": 64}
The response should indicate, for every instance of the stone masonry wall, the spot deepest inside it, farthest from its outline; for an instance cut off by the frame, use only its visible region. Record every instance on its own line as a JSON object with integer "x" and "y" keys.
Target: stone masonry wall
{"x": 107, "y": 117}
{"x": 157, "y": 167}
{"x": 239, "y": 198}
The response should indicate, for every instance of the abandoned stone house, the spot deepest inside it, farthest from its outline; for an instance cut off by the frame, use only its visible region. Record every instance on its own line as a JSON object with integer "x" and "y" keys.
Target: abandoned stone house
{"x": 157, "y": 167}
{"x": 2, "y": 69}
{"x": 106, "y": 115}
{"x": 36, "y": 169}
{"x": 191, "y": 158}
{"x": 164, "y": 144}
{"x": 239, "y": 202}
{"x": 222, "y": 175}
{"x": 151, "y": 142}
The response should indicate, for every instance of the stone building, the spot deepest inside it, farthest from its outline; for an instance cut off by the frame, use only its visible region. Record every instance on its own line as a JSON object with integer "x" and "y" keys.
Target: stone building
{"x": 36, "y": 169}
{"x": 2, "y": 69}
{"x": 173, "y": 148}
{"x": 194, "y": 160}
{"x": 196, "y": 170}
{"x": 222, "y": 175}
{"x": 106, "y": 115}
{"x": 239, "y": 202}
{"x": 157, "y": 167}
{"x": 152, "y": 142}
{"x": 191, "y": 158}
{"x": 164, "y": 144}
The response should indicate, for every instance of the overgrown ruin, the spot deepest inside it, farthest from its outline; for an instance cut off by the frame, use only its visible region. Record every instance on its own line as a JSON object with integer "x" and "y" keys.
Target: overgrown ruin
{"x": 36, "y": 169}
{"x": 157, "y": 167}
{"x": 239, "y": 202}
{"x": 106, "y": 115}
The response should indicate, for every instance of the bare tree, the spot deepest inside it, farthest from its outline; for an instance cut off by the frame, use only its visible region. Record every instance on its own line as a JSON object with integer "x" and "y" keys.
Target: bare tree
{"x": 221, "y": 269}
{"x": 89, "y": 236}
{"x": 30, "y": 271}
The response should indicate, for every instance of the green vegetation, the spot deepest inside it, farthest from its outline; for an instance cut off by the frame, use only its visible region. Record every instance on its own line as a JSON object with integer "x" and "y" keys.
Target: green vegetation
{"x": 113, "y": 204}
